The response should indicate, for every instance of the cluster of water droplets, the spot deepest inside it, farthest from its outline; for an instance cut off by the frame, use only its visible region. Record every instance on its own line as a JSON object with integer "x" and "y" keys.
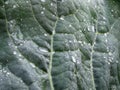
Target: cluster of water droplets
{"x": 110, "y": 57}
{"x": 43, "y": 9}
{"x": 11, "y": 24}
{"x": 15, "y": 51}
{"x": 5, "y": 72}
{"x": 75, "y": 59}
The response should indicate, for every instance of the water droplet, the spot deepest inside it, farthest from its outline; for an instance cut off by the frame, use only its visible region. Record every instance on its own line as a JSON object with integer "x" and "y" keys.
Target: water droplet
{"x": 20, "y": 59}
{"x": 27, "y": 1}
{"x": 89, "y": 44}
{"x": 6, "y": 2}
{"x": 93, "y": 28}
{"x": 53, "y": 15}
{"x": 43, "y": 50}
{"x": 75, "y": 41}
{"x": 106, "y": 40}
{"x": 43, "y": 0}
{"x": 63, "y": 0}
{"x": 104, "y": 22}
{"x": 70, "y": 25}
{"x": 108, "y": 62}
{"x": 51, "y": 4}
{"x": 53, "y": 32}
{"x": 61, "y": 18}
{"x": 104, "y": 57}
{"x": 21, "y": 44}
{"x": 53, "y": 52}
{"x": 88, "y": 0}
{"x": 116, "y": 61}
{"x": 45, "y": 34}
{"x": 84, "y": 43}
{"x": 42, "y": 12}
{"x": 73, "y": 59}
{"x": 15, "y": 46}
{"x": 43, "y": 8}
{"x": 110, "y": 53}
{"x": 4, "y": 71}
{"x": 112, "y": 10}
{"x": 8, "y": 73}
{"x": 32, "y": 65}
{"x": 104, "y": 18}
{"x": 9, "y": 44}
{"x": 19, "y": 55}
{"x": 105, "y": 34}
{"x": 80, "y": 42}
{"x": 70, "y": 41}
{"x": 14, "y": 52}
{"x": 14, "y": 6}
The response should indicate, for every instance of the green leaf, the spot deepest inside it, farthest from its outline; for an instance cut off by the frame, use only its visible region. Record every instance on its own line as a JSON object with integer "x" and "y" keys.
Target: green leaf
{"x": 59, "y": 45}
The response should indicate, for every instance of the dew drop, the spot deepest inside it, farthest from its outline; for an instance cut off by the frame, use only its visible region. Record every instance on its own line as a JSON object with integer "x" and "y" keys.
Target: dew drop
{"x": 4, "y": 71}
{"x": 73, "y": 59}
{"x": 53, "y": 52}
{"x": 43, "y": 0}
{"x": 43, "y": 50}
{"x": 104, "y": 18}
{"x": 93, "y": 29}
{"x": 104, "y": 57}
{"x": 108, "y": 63}
{"x": 19, "y": 55}
{"x": 112, "y": 10}
{"x": 8, "y": 73}
{"x": 89, "y": 44}
{"x": 53, "y": 32}
{"x": 110, "y": 53}
{"x": 63, "y": 0}
{"x": 70, "y": 25}
{"x": 15, "y": 46}
{"x": 106, "y": 40}
{"x": 43, "y": 8}
{"x": 14, "y": 6}
{"x": 62, "y": 18}
{"x": 14, "y": 52}
{"x": 32, "y": 65}
{"x": 110, "y": 60}
{"x": 80, "y": 42}
{"x": 20, "y": 59}
{"x": 51, "y": 4}
{"x": 70, "y": 41}
{"x": 21, "y": 44}
{"x": 6, "y": 2}
{"x": 88, "y": 0}
{"x": 45, "y": 34}
{"x": 42, "y": 12}
{"x": 27, "y": 1}
{"x": 116, "y": 61}
{"x": 9, "y": 44}
{"x": 105, "y": 34}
